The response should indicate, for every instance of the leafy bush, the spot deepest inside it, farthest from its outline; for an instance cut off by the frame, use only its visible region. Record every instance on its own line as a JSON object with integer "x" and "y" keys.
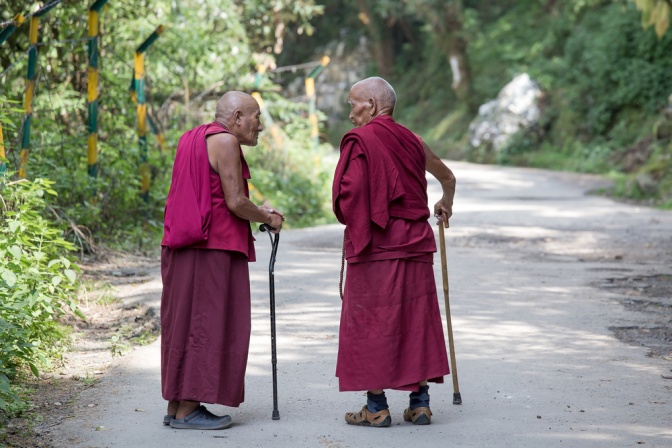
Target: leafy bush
{"x": 291, "y": 173}
{"x": 37, "y": 283}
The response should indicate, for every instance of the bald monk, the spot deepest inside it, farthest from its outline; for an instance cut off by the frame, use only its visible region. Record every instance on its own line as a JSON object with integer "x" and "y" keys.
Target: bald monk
{"x": 391, "y": 335}
{"x": 207, "y": 244}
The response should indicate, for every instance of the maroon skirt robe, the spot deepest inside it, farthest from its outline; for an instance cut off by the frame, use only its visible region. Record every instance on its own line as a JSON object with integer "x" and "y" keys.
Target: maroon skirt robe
{"x": 391, "y": 334}
{"x": 205, "y": 325}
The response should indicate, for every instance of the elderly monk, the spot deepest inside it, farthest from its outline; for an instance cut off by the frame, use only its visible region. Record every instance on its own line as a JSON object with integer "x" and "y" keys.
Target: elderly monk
{"x": 391, "y": 335}
{"x": 207, "y": 243}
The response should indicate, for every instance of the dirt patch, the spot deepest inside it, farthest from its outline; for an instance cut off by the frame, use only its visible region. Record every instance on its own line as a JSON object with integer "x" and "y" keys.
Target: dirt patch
{"x": 109, "y": 331}
{"x": 651, "y": 296}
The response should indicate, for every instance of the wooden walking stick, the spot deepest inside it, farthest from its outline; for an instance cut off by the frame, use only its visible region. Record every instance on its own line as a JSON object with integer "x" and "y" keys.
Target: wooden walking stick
{"x": 457, "y": 398}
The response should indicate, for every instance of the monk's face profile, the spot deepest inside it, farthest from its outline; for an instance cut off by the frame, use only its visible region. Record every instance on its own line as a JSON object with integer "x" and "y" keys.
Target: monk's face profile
{"x": 361, "y": 108}
{"x": 248, "y": 123}
{"x": 239, "y": 113}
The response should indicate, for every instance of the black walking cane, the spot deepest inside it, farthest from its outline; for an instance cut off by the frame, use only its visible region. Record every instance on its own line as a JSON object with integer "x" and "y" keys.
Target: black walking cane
{"x": 457, "y": 398}
{"x": 271, "y": 279}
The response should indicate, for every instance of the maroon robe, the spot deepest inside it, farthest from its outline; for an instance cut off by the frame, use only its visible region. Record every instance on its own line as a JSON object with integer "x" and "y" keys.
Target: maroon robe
{"x": 391, "y": 334}
{"x": 205, "y": 303}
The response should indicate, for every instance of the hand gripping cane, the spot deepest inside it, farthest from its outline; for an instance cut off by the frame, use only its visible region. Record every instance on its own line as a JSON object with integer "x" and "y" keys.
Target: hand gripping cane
{"x": 271, "y": 279}
{"x": 457, "y": 398}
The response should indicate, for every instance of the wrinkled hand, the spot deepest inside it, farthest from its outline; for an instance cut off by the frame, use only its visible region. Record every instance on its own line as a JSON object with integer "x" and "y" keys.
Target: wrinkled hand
{"x": 273, "y": 211}
{"x": 276, "y": 218}
{"x": 443, "y": 210}
{"x": 276, "y": 223}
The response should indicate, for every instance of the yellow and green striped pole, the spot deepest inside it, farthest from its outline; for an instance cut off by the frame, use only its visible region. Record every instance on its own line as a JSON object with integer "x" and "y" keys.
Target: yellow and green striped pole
{"x": 30, "y": 86}
{"x": 3, "y": 165}
{"x": 9, "y": 29}
{"x": 310, "y": 93}
{"x": 158, "y": 134}
{"x": 139, "y": 87}
{"x": 92, "y": 93}
{"x": 30, "y": 92}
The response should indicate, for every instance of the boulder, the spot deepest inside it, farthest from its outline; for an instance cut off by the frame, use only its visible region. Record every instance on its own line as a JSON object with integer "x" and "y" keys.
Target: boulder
{"x": 517, "y": 108}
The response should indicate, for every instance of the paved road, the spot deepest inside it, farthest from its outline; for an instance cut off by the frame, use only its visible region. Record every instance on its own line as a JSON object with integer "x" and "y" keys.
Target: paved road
{"x": 537, "y": 362}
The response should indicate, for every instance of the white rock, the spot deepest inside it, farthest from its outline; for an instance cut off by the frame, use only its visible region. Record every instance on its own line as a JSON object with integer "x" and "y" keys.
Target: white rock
{"x": 516, "y": 108}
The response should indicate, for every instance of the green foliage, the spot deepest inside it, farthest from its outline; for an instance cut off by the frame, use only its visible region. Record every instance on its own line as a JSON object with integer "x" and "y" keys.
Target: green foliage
{"x": 37, "y": 282}
{"x": 207, "y": 48}
{"x": 293, "y": 176}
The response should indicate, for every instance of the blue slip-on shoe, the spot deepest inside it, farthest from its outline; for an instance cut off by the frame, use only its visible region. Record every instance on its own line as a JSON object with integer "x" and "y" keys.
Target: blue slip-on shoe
{"x": 167, "y": 418}
{"x": 201, "y": 418}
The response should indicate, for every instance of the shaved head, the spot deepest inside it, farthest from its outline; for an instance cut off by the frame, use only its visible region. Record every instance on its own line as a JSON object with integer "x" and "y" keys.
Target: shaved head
{"x": 370, "y": 98}
{"x": 231, "y": 102}
{"x": 379, "y": 89}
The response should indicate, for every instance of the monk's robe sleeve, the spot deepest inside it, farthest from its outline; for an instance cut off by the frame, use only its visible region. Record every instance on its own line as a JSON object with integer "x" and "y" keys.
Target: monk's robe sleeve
{"x": 353, "y": 203}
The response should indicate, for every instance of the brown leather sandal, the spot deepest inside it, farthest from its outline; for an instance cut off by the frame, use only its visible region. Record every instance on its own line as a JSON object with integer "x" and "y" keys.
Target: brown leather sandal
{"x": 380, "y": 419}
{"x": 418, "y": 416}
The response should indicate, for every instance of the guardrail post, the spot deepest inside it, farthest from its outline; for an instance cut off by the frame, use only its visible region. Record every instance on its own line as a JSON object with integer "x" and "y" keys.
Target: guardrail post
{"x": 139, "y": 87}
{"x": 30, "y": 86}
{"x": 92, "y": 92}
{"x": 9, "y": 29}
{"x": 310, "y": 93}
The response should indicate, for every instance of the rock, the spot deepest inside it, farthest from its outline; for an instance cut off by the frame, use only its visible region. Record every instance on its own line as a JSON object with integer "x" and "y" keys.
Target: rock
{"x": 516, "y": 108}
{"x": 646, "y": 182}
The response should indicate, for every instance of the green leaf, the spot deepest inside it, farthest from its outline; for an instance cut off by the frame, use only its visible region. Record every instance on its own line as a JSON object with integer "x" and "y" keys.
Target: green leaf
{"x": 53, "y": 262}
{"x": 33, "y": 369}
{"x": 15, "y": 251}
{"x": 71, "y": 275}
{"x": 9, "y": 277}
{"x": 56, "y": 280}
{"x": 13, "y": 225}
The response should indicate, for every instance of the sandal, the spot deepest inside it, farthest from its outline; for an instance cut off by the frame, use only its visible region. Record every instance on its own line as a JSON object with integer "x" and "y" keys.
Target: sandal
{"x": 380, "y": 419}
{"x": 418, "y": 416}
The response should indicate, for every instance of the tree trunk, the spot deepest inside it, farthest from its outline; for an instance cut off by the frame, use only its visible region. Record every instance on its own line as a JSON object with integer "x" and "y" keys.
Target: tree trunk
{"x": 456, "y": 51}
{"x": 446, "y": 22}
{"x": 380, "y": 32}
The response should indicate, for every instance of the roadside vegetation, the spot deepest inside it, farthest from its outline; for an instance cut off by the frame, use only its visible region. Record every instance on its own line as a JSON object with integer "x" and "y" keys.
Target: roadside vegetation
{"x": 603, "y": 66}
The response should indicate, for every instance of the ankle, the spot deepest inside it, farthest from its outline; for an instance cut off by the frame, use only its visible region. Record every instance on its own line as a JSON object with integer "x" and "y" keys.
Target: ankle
{"x": 419, "y": 399}
{"x": 172, "y": 407}
{"x": 376, "y": 402}
{"x": 186, "y": 408}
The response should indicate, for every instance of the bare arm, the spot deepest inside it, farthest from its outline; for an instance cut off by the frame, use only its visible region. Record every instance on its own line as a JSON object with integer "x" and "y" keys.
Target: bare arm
{"x": 443, "y": 209}
{"x": 224, "y": 156}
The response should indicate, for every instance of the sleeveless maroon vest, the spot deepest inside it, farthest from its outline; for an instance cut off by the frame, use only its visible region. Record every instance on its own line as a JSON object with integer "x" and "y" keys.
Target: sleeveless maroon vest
{"x": 221, "y": 229}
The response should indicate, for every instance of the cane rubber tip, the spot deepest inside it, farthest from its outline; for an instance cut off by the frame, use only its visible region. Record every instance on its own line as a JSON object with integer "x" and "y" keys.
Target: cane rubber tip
{"x": 457, "y": 398}
{"x": 276, "y": 415}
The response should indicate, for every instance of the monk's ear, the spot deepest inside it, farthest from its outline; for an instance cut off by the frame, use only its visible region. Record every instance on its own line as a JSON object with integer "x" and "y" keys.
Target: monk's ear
{"x": 373, "y": 106}
{"x": 237, "y": 115}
